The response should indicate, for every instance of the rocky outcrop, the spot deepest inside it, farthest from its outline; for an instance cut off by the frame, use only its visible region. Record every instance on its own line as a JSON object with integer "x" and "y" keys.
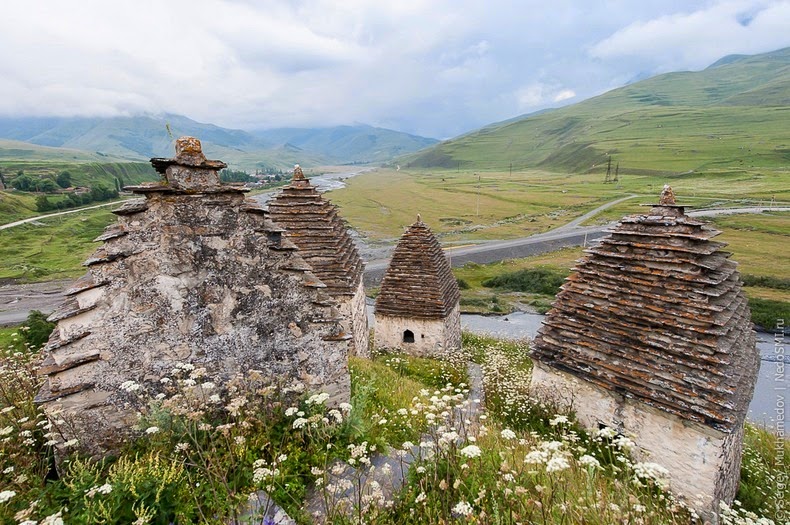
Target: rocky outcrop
{"x": 192, "y": 273}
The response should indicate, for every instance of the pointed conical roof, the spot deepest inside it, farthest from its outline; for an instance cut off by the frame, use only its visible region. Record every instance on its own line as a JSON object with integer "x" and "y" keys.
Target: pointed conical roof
{"x": 656, "y": 312}
{"x": 418, "y": 282}
{"x": 314, "y": 225}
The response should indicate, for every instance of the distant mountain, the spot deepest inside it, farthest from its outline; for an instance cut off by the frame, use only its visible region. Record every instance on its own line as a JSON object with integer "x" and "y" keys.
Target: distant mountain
{"x": 359, "y": 144}
{"x": 735, "y": 113}
{"x": 143, "y": 137}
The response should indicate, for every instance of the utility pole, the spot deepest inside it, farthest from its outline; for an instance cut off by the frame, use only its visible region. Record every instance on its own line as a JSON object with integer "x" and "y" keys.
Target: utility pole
{"x": 608, "y": 172}
{"x": 617, "y": 173}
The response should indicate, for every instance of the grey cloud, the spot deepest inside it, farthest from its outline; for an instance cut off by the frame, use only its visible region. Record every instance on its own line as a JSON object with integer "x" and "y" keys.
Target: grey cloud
{"x": 437, "y": 68}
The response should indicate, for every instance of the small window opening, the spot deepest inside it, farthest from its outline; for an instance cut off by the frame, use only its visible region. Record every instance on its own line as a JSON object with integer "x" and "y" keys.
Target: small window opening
{"x": 408, "y": 336}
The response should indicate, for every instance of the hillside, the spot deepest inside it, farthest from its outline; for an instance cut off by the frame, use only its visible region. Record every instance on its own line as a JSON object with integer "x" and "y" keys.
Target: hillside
{"x": 142, "y": 137}
{"x": 360, "y": 144}
{"x": 733, "y": 114}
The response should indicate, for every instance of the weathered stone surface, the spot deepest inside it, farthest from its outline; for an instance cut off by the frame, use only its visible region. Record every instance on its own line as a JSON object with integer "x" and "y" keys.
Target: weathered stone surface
{"x": 654, "y": 321}
{"x": 197, "y": 277}
{"x": 316, "y": 229}
{"x": 417, "y": 310}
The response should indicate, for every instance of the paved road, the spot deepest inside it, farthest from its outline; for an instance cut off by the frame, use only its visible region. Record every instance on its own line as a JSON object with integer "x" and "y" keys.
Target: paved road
{"x": 17, "y": 300}
{"x": 39, "y": 217}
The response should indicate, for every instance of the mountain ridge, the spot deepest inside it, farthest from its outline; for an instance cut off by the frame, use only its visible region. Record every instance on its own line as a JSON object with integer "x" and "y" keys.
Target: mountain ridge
{"x": 141, "y": 137}
{"x": 664, "y": 123}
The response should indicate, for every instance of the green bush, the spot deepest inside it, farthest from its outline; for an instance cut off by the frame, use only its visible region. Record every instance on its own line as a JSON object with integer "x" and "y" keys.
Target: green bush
{"x": 36, "y": 329}
{"x": 766, "y": 281}
{"x": 544, "y": 281}
{"x": 767, "y": 312}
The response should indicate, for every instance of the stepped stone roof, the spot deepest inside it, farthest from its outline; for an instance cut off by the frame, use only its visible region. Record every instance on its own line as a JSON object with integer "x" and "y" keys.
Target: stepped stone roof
{"x": 418, "y": 282}
{"x": 656, "y": 312}
{"x": 314, "y": 225}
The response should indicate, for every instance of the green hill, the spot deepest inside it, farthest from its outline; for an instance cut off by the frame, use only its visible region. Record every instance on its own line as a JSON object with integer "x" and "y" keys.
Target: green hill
{"x": 732, "y": 115}
{"x": 25, "y": 151}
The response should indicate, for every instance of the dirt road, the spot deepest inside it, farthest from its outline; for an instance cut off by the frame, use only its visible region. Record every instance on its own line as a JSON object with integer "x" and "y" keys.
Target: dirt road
{"x": 17, "y": 300}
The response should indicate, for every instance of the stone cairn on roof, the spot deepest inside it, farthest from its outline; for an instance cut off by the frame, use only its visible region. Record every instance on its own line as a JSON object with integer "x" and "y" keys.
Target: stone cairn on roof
{"x": 418, "y": 286}
{"x": 315, "y": 227}
{"x": 193, "y": 273}
{"x": 655, "y": 324}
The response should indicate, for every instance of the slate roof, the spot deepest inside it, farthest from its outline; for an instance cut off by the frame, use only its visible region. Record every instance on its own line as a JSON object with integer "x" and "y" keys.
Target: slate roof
{"x": 656, "y": 312}
{"x": 315, "y": 227}
{"x": 418, "y": 282}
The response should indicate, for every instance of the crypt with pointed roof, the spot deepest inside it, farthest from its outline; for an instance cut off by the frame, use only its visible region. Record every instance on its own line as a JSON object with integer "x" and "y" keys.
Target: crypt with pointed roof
{"x": 417, "y": 310}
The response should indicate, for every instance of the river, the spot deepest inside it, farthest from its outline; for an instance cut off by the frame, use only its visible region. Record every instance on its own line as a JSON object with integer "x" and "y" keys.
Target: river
{"x": 770, "y": 394}
{"x": 324, "y": 183}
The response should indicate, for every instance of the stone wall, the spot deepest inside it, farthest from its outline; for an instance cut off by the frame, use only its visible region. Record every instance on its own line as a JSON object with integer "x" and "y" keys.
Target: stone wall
{"x": 355, "y": 321}
{"x": 704, "y": 463}
{"x": 432, "y": 337}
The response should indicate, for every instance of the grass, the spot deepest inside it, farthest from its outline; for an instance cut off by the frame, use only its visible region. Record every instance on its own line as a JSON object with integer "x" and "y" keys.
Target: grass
{"x": 509, "y": 205}
{"x": 195, "y": 459}
{"x": 15, "y": 206}
{"x": 52, "y": 248}
{"x": 382, "y": 204}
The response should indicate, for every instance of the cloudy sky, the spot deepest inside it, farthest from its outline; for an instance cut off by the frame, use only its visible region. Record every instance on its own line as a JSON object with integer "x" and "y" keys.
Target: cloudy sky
{"x": 431, "y": 67}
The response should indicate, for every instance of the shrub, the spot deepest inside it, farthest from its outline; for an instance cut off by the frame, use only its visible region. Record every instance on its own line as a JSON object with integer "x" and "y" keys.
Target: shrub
{"x": 766, "y": 281}
{"x": 766, "y": 313}
{"x": 36, "y": 329}
{"x": 544, "y": 281}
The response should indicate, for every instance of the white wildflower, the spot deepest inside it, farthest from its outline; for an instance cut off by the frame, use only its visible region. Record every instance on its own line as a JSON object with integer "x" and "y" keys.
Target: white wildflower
{"x": 317, "y": 399}
{"x": 53, "y": 519}
{"x": 589, "y": 461}
{"x": 300, "y": 422}
{"x": 151, "y": 430}
{"x": 471, "y": 451}
{"x": 291, "y": 411}
{"x": 6, "y": 495}
{"x": 129, "y": 386}
{"x": 606, "y": 433}
{"x": 462, "y": 508}
{"x": 507, "y": 434}
{"x": 556, "y": 464}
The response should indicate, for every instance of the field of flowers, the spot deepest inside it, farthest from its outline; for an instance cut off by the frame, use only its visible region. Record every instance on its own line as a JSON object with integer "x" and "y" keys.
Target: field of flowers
{"x": 422, "y": 441}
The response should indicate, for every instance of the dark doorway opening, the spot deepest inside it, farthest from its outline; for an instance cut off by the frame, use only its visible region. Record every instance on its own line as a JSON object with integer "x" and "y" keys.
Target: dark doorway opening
{"x": 408, "y": 336}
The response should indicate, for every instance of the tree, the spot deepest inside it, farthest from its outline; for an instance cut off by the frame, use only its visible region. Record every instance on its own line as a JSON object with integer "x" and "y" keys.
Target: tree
{"x": 46, "y": 186}
{"x": 42, "y": 203}
{"x": 23, "y": 182}
{"x": 64, "y": 179}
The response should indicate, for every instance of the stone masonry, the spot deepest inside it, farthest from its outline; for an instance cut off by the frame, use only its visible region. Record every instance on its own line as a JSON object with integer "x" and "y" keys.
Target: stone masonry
{"x": 193, "y": 273}
{"x": 417, "y": 310}
{"x": 314, "y": 225}
{"x": 651, "y": 336}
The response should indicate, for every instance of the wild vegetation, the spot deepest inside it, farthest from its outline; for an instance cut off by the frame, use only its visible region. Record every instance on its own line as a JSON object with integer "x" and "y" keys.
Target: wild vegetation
{"x": 205, "y": 451}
